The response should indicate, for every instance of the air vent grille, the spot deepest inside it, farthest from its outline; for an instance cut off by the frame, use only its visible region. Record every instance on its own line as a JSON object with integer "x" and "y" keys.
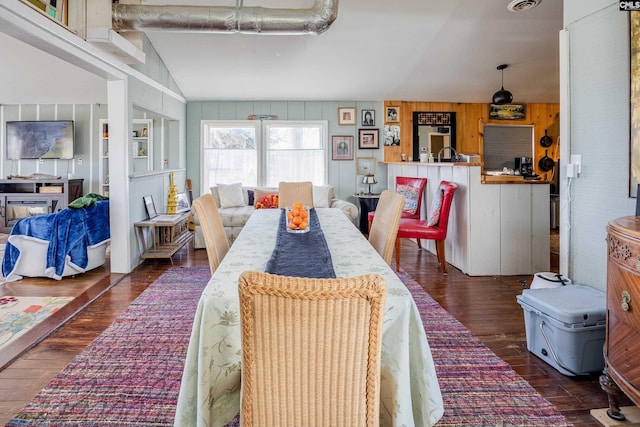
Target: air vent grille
{"x": 521, "y": 5}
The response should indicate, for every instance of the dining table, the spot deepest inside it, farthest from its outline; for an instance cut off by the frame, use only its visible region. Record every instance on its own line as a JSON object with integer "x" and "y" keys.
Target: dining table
{"x": 211, "y": 381}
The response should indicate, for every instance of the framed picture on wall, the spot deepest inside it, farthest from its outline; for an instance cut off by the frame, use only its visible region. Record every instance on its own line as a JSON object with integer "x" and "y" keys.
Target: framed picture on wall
{"x": 368, "y": 138}
{"x": 393, "y": 114}
{"x": 346, "y": 116}
{"x": 342, "y": 147}
{"x": 365, "y": 166}
{"x": 368, "y": 117}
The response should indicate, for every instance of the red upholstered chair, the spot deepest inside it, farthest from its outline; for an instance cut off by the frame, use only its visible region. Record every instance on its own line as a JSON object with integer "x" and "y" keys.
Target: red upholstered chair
{"x": 434, "y": 227}
{"x": 415, "y": 183}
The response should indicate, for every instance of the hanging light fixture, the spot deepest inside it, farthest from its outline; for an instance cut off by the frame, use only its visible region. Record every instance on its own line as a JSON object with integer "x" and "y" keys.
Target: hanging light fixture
{"x": 502, "y": 96}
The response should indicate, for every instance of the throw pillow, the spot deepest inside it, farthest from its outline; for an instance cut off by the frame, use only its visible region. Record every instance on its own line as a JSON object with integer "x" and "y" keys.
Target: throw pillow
{"x": 230, "y": 195}
{"x": 250, "y": 196}
{"x": 321, "y": 196}
{"x": 259, "y": 192}
{"x": 434, "y": 209}
{"x": 411, "y": 195}
{"x": 268, "y": 201}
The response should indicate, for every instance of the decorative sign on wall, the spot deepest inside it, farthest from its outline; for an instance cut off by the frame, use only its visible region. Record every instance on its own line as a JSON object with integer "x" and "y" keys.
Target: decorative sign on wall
{"x": 507, "y": 112}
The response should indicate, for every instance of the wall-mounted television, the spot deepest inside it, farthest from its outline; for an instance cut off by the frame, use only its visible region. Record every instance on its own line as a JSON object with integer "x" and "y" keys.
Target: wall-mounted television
{"x": 42, "y": 139}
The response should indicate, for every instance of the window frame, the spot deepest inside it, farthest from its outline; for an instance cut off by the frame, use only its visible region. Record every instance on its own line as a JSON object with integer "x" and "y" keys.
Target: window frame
{"x": 262, "y": 137}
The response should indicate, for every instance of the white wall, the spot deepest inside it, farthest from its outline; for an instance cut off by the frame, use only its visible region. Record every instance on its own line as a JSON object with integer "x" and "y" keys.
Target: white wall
{"x": 342, "y": 173}
{"x": 598, "y": 70}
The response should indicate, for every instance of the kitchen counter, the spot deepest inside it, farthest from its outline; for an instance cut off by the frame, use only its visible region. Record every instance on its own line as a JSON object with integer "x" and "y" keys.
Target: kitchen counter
{"x": 509, "y": 179}
{"x": 436, "y": 164}
{"x": 497, "y": 229}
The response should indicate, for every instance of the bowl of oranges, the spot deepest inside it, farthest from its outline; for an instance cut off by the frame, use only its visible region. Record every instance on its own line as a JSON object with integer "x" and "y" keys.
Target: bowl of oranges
{"x": 298, "y": 219}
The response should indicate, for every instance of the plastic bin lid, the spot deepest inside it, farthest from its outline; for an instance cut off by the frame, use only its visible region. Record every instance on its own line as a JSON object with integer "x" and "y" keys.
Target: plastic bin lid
{"x": 568, "y": 304}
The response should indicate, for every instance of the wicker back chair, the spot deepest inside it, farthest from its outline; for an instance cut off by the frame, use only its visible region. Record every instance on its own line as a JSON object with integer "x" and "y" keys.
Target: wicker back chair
{"x": 215, "y": 239}
{"x": 384, "y": 228}
{"x": 295, "y": 192}
{"x": 310, "y": 350}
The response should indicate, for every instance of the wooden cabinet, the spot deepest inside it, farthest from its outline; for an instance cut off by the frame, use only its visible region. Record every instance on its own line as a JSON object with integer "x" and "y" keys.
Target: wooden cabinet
{"x": 622, "y": 345}
{"x": 21, "y": 198}
{"x": 141, "y": 150}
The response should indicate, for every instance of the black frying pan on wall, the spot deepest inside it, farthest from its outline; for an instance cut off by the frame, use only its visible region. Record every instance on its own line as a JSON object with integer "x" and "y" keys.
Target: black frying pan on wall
{"x": 546, "y": 140}
{"x": 546, "y": 163}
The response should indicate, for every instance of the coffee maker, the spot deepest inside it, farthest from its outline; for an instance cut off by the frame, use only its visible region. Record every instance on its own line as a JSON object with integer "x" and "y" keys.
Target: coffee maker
{"x": 524, "y": 166}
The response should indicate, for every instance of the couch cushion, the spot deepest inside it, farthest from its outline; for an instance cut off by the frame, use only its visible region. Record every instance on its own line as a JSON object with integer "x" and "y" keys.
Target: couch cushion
{"x": 230, "y": 195}
{"x": 236, "y": 217}
{"x": 322, "y": 196}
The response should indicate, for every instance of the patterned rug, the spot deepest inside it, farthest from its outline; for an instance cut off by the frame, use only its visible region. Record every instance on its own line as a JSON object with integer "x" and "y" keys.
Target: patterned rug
{"x": 130, "y": 375}
{"x": 19, "y": 314}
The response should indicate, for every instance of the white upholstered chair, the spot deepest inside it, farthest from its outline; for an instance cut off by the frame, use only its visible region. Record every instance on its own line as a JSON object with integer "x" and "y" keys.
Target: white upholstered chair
{"x": 213, "y": 232}
{"x": 295, "y": 192}
{"x": 384, "y": 228}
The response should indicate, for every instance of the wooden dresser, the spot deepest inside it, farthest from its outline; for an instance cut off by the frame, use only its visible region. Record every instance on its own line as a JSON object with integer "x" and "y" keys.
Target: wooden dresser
{"x": 622, "y": 345}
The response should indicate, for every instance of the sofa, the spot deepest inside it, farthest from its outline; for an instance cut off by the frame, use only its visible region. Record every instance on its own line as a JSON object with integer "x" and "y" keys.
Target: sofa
{"x": 237, "y": 204}
{"x": 69, "y": 242}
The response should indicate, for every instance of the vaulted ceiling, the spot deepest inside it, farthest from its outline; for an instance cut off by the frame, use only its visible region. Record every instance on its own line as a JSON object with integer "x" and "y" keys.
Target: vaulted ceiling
{"x": 427, "y": 50}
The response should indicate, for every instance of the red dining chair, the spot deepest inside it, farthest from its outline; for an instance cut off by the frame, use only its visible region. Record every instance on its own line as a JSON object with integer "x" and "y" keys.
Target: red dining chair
{"x": 434, "y": 227}
{"x": 412, "y": 189}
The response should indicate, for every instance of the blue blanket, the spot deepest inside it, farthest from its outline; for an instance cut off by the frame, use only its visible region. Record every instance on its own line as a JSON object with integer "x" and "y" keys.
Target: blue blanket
{"x": 301, "y": 255}
{"x": 69, "y": 233}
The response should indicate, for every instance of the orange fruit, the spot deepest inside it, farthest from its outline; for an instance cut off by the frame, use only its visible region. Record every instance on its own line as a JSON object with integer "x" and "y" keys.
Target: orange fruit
{"x": 303, "y": 225}
{"x": 304, "y": 213}
{"x": 292, "y": 226}
{"x": 297, "y": 205}
{"x": 296, "y": 220}
{"x": 289, "y": 215}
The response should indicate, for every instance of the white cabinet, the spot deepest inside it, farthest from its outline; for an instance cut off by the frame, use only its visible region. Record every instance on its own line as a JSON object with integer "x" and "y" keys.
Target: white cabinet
{"x": 141, "y": 150}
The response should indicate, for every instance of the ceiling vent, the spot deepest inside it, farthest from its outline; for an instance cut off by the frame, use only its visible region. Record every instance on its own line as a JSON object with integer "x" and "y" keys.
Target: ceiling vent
{"x": 522, "y": 5}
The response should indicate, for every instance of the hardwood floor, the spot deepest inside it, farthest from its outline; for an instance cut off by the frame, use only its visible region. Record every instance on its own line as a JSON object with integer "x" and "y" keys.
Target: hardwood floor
{"x": 485, "y": 305}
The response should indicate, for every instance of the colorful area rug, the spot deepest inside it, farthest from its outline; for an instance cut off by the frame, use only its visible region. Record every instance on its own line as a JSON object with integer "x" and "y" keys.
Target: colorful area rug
{"x": 20, "y": 314}
{"x": 130, "y": 375}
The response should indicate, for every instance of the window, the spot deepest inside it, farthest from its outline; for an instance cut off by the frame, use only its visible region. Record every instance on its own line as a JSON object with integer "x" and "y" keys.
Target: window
{"x": 263, "y": 153}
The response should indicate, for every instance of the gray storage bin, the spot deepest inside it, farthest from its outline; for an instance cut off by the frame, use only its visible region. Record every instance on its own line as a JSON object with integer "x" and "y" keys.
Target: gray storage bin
{"x": 565, "y": 327}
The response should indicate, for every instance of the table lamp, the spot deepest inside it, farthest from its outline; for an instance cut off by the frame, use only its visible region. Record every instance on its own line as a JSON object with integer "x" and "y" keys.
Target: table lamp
{"x": 369, "y": 179}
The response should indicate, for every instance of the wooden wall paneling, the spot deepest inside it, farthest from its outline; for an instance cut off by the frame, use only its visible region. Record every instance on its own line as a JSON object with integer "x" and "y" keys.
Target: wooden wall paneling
{"x": 470, "y": 119}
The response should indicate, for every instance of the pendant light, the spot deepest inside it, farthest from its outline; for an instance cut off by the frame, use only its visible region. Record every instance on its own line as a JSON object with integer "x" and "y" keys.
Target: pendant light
{"x": 502, "y": 96}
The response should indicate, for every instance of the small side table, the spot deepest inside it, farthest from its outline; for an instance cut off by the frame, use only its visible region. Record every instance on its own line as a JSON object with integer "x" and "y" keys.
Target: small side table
{"x": 169, "y": 233}
{"x": 368, "y": 203}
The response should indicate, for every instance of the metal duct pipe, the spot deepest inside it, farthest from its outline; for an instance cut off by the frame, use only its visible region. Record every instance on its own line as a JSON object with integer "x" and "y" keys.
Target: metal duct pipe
{"x": 223, "y": 19}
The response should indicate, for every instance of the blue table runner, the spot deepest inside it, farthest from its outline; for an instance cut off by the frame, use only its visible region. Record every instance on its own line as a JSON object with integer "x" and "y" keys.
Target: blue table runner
{"x": 301, "y": 254}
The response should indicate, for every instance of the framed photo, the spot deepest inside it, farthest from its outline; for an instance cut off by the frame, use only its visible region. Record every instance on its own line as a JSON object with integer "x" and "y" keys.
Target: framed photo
{"x": 393, "y": 114}
{"x": 368, "y": 138}
{"x": 392, "y": 135}
{"x": 507, "y": 112}
{"x": 368, "y": 117}
{"x": 183, "y": 203}
{"x": 150, "y": 206}
{"x": 346, "y": 116}
{"x": 342, "y": 147}
{"x": 365, "y": 166}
